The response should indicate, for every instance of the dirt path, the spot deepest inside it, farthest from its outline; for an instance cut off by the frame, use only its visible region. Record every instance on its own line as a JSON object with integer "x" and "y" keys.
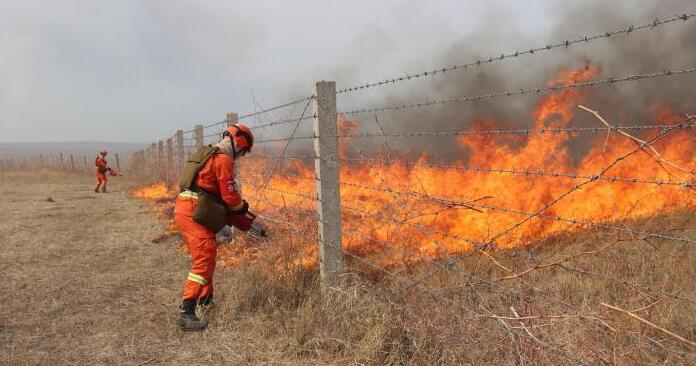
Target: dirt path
{"x": 82, "y": 282}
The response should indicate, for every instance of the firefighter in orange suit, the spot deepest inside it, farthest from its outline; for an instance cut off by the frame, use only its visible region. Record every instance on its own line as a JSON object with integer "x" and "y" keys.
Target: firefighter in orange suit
{"x": 102, "y": 167}
{"x": 213, "y": 176}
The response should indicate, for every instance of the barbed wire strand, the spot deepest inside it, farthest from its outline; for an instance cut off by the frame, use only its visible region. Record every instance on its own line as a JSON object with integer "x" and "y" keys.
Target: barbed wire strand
{"x": 518, "y": 131}
{"x": 489, "y": 60}
{"x": 539, "y": 212}
{"x": 469, "y": 241}
{"x": 547, "y": 89}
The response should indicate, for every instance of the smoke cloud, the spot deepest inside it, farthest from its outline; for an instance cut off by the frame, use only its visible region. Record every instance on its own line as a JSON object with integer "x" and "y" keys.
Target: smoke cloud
{"x": 666, "y": 47}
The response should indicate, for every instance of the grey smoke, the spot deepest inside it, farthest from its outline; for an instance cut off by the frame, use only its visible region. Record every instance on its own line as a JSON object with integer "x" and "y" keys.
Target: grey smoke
{"x": 670, "y": 46}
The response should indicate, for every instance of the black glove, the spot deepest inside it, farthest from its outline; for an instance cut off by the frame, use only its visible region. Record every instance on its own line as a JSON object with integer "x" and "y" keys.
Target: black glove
{"x": 243, "y": 210}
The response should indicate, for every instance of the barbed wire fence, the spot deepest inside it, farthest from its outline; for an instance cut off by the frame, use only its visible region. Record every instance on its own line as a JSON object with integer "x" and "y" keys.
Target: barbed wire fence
{"x": 449, "y": 256}
{"x": 70, "y": 162}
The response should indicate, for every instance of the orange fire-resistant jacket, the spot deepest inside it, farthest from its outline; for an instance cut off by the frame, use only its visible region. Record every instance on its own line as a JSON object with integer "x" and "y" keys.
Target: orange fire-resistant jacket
{"x": 217, "y": 176}
{"x": 100, "y": 162}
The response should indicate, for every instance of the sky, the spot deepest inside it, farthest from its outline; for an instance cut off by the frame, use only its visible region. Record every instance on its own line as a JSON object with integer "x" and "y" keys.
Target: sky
{"x": 133, "y": 71}
{"x": 137, "y": 70}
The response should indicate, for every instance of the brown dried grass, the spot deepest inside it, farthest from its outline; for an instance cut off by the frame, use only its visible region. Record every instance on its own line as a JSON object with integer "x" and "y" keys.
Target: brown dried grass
{"x": 84, "y": 284}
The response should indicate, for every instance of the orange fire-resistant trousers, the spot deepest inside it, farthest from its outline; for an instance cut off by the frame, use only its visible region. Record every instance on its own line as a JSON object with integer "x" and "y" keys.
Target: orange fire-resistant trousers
{"x": 201, "y": 245}
{"x": 101, "y": 180}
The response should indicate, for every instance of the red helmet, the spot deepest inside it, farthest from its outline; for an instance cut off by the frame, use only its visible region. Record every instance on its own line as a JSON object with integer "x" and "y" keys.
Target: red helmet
{"x": 242, "y": 136}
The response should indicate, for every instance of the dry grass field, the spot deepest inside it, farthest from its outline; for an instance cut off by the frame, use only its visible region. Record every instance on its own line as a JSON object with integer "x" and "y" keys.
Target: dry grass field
{"x": 84, "y": 284}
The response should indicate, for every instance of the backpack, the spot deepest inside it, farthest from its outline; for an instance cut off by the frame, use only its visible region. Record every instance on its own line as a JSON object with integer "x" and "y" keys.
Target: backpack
{"x": 194, "y": 164}
{"x": 210, "y": 210}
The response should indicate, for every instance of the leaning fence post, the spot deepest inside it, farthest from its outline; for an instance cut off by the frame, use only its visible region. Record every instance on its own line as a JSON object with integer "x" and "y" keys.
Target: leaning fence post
{"x": 327, "y": 175}
{"x": 181, "y": 159}
{"x": 198, "y": 134}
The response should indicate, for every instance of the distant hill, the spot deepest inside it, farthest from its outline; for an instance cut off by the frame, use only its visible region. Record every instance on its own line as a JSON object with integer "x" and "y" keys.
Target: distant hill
{"x": 27, "y": 149}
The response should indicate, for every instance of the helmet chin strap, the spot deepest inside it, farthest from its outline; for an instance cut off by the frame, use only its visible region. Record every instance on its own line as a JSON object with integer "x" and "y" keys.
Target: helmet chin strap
{"x": 235, "y": 152}
{"x": 226, "y": 145}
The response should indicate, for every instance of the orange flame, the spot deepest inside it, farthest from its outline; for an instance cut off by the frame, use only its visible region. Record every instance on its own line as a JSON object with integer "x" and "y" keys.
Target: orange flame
{"x": 152, "y": 192}
{"x": 415, "y": 225}
{"x": 402, "y": 227}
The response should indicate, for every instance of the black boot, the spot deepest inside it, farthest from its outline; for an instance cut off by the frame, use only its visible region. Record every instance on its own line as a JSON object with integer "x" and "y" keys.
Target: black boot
{"x": 187, "y": 319}
{"x": 103, "y": 190}
{"x": 206, "y": 302}
{"x": 96, "y": 190}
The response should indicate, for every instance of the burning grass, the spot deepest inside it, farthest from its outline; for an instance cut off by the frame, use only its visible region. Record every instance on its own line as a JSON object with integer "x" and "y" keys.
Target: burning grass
{"x": 534, "y": 296}
{"x": 467, "y": 315}
{"x": 283, "y": 315}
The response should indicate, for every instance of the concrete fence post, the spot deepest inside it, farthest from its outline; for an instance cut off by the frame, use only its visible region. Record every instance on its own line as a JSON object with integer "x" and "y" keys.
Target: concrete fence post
{"x": 170, "y": 161}
{"x": 180, "y": 158}
{"x": 198, "y": 135}
{"x": 327, "y": 175}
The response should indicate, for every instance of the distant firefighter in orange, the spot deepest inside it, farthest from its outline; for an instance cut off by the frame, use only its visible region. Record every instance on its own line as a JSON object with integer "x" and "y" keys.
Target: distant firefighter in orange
{"x": 102, "y": 167}
{"x": 209, "y": 198}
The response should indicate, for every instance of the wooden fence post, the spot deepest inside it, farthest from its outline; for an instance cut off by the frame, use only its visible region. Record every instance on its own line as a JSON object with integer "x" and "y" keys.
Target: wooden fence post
{"x": 72, "y": 163}
{"x": 327, "y": 175}
{"x": 152, "y": 160}
{"x": 170, "y": 161}
{"x": 118, "y": 164}
{"x": 180, "y": 158}
{"x": 62, "y": 165}
{"x": 198, "y": 134}
{"x": 160, "y": 160}
{"x": 84, "y": 161}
